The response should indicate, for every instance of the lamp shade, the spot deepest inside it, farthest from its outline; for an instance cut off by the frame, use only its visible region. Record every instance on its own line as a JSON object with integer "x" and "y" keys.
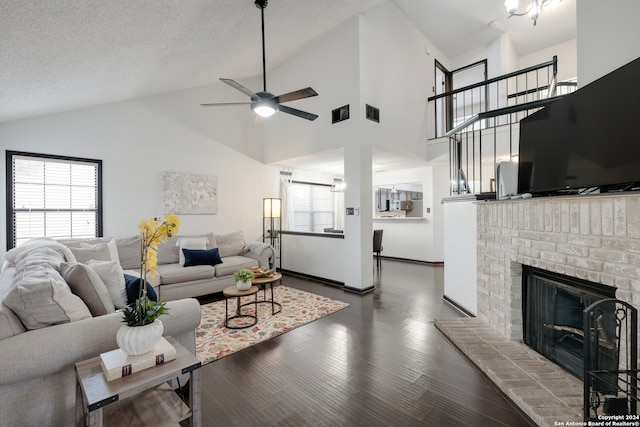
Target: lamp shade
{"x": 272, "y": 208}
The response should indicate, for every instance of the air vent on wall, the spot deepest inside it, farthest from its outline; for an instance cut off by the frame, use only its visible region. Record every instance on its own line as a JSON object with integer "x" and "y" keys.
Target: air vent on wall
{"x": 373, "y": 113}
{"x": 340, "y": 114}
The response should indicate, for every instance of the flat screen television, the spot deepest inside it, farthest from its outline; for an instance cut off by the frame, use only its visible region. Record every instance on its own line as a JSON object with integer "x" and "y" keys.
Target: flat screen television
{"x": 586, "y": 139}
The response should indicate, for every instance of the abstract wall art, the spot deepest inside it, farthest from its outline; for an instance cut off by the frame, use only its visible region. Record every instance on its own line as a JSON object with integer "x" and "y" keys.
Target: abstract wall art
{"x": 185, "y": 193}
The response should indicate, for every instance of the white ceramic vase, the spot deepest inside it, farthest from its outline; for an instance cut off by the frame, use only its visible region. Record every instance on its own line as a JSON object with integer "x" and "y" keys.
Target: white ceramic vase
{"x": 243, "y": 286}
{"x": 136, "y": 340}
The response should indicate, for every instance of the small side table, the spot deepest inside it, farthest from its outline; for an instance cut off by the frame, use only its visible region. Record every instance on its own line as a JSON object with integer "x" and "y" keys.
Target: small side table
{"x": 139, "y": 399}
{"x": 263, "y": 282}
{"x": 234, "y": 292}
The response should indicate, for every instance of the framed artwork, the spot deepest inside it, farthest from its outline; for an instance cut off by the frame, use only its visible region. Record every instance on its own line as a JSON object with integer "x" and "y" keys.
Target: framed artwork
{"x": 185, "y": 193}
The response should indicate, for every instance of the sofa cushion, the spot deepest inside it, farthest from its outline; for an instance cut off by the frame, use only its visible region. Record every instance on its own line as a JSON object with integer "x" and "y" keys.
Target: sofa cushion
{"x": 113, "y": 277}
{"x": 86, "y": 283}
{"x": 132, "y": 284}
{"x": 201, "y": 257}
{"x": 230, "y": 244}
{"x": 111, "y": 246}
{"x": 10, "y": 325}
{"x": 169, "y": 252}
{"x": 175, "y": 273}
{"x": 129, "y": 251}
{"x": 233, "y": 263}
{"x": 40, "y": 297}
{"x": 191, "y": 243}
{"x": 87, "y": 254}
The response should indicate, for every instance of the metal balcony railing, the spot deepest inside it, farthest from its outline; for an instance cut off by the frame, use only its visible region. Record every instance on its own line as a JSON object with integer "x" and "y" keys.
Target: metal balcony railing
{"x": 483, "y": 121}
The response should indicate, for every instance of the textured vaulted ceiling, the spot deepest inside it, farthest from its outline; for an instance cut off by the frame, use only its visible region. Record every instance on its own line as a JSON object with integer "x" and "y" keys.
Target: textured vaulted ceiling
{"x": 65, "y": 54}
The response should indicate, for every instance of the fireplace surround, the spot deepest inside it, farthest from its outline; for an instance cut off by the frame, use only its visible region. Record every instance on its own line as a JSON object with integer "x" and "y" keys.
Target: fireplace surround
{"x": 594, "y": 238}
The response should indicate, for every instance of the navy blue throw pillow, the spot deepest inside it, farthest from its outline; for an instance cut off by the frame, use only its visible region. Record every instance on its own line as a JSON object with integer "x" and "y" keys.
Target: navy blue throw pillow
{"x": 133, "y": 289}
{"x": 201, "y": 257}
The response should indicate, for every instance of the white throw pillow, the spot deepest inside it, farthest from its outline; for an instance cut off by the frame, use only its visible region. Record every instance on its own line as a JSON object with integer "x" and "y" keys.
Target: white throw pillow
{"x": 191, "y": 243}
{"x": 84, "y": 255}
{"x": 113, "y": 277}
{"x": 110, "y": 246}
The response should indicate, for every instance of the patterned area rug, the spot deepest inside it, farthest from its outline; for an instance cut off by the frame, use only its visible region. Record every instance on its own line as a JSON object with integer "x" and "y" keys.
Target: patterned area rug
{"x": 214, "y": 340}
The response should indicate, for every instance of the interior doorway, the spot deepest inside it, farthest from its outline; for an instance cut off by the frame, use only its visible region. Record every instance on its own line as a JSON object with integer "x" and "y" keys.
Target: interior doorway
{"x": 443, "y": 106}
{"x": 447, "y": 115}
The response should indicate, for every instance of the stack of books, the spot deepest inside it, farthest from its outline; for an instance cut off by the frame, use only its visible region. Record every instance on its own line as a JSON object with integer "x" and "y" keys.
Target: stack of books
{"x": 117, "y": 364}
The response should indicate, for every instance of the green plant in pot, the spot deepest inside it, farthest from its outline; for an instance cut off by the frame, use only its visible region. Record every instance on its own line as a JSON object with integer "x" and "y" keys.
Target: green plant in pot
{"x": 142, "y": 329}
{"x": 243, "y": 279}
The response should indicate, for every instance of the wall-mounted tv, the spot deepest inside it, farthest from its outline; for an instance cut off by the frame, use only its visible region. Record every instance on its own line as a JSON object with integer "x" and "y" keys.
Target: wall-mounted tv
{"x": 586, "y": 139}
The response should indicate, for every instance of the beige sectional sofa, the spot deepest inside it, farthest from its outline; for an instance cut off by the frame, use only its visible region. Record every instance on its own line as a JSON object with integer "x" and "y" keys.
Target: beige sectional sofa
{"x": 173, "y": 281}
{"x": 50, "y": 318}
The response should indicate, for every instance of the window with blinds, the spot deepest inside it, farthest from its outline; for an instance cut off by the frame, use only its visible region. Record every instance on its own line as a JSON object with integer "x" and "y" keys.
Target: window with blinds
{"x": 52, "y": 196}
{"x": 313, "y": 206}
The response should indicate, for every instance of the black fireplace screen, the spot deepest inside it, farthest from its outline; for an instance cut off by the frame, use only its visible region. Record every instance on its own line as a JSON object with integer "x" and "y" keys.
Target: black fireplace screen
{"x": 553, "y": 307}
{"x": 610, "y": 359}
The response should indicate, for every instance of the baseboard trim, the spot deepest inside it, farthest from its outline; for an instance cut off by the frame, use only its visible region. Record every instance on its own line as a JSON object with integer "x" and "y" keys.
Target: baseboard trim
{"x": 458, "y": 306}
{"x": 323, "y": 280}
{"x": 359, "y": 291}
{"x": 411, "y": 261}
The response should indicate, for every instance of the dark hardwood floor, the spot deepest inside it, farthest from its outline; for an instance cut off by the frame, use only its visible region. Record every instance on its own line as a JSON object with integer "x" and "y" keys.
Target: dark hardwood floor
{"x": 379, "y": 362}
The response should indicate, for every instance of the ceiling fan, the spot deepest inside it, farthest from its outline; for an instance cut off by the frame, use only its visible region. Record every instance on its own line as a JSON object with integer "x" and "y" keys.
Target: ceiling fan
{"x": 265, "y": 103}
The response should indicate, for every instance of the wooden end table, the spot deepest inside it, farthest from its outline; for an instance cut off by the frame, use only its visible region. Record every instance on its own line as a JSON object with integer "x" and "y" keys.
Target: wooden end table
{"x": 263, "y": 282}
{"x": 234, "y": 292}
{"x": 142, "y": 398}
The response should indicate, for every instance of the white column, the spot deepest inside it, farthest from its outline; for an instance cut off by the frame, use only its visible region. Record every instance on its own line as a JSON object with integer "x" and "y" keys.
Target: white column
{"x": 358, "y": 230}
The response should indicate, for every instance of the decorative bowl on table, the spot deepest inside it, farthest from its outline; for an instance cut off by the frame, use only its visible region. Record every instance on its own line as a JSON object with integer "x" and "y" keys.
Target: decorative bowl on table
{"x": 260, "y": 273}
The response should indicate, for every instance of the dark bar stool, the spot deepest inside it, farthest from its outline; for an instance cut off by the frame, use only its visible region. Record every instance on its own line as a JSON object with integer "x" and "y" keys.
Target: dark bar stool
{"x": 377, "y": 245}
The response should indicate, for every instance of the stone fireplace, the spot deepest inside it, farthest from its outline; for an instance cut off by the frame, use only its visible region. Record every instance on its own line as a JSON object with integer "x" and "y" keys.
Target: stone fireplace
{"x": 586, "y": 239}
{"x": 594, "y": 238}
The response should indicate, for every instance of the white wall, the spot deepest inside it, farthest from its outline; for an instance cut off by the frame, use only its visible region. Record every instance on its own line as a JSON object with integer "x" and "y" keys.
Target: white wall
{"x": 420, "y": 240}
{"x": 397, "y": 77}
{"x": 608, "y": 35}
{"x": 330, "y": 66}
{"x": 137, "y": 140}
{"x": 567, "y": 59}
{"x": 317, "y": 256}
{"x": 460, "y": 275}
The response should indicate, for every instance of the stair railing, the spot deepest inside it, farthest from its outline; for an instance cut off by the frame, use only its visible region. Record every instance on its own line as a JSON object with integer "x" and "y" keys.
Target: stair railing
{"x": 480, "y": 109}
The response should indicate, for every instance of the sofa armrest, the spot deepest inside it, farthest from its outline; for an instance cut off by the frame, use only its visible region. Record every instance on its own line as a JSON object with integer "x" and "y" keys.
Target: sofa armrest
{"x": 263, "y": 258}
{"x": 49, "y": 350}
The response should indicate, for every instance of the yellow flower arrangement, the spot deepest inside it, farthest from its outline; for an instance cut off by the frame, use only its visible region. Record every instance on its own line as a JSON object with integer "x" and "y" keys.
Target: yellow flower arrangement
{"x": 154, "y": 231}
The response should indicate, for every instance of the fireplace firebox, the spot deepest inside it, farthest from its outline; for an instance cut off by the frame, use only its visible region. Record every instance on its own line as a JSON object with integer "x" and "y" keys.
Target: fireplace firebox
{"x": 553, "y": 307}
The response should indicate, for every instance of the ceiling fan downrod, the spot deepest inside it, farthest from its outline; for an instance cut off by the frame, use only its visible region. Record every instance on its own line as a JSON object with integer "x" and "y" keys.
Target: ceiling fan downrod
{"x": 262, "y": 4}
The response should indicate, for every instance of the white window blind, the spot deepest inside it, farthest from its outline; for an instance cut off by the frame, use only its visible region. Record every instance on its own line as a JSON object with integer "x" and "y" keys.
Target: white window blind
{"x": 57, "y": 197}
{"x": 313, "y": 206}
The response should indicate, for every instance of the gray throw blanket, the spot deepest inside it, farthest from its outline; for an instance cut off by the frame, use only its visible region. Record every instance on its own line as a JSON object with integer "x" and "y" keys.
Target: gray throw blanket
{"x": 258, "y": 247}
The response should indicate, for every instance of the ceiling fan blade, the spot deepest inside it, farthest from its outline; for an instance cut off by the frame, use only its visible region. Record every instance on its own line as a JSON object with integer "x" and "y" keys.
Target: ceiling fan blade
{"x": 238, "y": 86}
{"x": 299, "y": 113}
{"x": 222, "y": 104}
{"x": 297, "y": 94}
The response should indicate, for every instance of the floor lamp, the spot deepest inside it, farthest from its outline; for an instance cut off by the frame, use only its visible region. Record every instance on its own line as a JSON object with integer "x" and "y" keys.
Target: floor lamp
{"x": 272, "y": 226}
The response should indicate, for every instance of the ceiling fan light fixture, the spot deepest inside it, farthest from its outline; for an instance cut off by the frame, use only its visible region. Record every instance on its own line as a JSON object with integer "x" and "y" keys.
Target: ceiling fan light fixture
{"x": 263, "y": 109}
